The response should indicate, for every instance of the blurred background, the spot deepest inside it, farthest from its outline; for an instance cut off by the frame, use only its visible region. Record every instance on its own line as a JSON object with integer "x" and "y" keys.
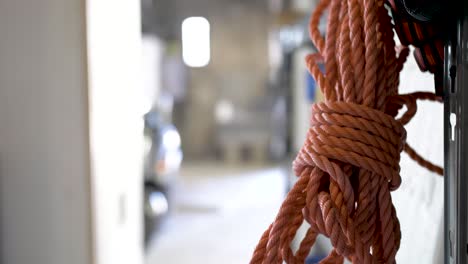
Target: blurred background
{"x": 163, "y": 131}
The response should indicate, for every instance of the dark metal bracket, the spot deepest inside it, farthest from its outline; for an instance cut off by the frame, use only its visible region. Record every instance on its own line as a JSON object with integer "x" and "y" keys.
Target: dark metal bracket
{"x": 456, "y": 144}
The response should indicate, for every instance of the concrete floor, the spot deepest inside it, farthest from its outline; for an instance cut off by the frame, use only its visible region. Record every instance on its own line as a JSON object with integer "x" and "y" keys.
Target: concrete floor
{"x": 220, "y": 214}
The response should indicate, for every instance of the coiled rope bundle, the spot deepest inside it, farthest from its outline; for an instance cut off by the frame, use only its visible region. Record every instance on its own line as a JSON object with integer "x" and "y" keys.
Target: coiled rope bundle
{"x": 349, "y": 163}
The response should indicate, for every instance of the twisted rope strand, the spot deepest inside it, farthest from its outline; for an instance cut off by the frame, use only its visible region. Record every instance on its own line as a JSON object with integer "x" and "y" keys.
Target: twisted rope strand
{"x": 349, "y": 163}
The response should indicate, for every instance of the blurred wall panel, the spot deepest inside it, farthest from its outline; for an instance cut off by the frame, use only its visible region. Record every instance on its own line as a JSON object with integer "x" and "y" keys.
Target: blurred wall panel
{"x": 304, "y": 6}
{"x": 301, "y": 103}
{"x": 238, "y": 69}
{"x": 151, "y": 72}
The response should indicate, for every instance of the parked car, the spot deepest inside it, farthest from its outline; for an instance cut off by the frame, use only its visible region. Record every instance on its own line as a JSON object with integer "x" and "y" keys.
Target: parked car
{"x": 163, "y": 157}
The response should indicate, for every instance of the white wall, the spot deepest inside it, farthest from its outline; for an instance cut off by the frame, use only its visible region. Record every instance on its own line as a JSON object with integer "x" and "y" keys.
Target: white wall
{"x": 70, "y": 132}
{"x": 420, "y": 199}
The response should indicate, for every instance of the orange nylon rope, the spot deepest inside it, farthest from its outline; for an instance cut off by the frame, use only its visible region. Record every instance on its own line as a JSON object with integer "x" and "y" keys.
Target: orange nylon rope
{"x": 349, "y": 163}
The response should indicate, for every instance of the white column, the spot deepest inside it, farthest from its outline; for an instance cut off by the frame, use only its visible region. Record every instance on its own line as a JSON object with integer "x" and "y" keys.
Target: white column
{"x": 70, "y": 132}
{"x": 116, "y": 128}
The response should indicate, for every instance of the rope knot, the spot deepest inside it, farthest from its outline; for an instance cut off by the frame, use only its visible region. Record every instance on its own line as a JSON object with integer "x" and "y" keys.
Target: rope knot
{"x": 348, "y": 133}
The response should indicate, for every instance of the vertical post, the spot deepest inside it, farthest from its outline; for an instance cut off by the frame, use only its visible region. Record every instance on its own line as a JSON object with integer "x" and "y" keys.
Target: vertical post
{"x": 456, "y": 143}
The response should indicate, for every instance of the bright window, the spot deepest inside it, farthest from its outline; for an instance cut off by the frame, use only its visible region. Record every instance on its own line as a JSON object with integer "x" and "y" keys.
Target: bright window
{"x": 196, "y": 41}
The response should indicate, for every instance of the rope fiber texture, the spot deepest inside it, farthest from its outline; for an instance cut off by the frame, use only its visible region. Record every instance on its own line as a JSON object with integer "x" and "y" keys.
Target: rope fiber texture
{"x": 349, "y": 162}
